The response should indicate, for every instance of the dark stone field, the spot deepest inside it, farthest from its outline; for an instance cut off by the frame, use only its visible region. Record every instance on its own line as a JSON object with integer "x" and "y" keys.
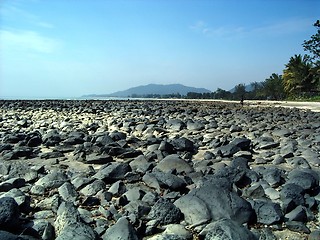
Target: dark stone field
{"x": 159, "y": 170}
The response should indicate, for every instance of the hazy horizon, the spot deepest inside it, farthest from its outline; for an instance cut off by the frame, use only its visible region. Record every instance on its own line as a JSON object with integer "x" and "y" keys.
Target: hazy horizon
{"x": 61, "y": 49}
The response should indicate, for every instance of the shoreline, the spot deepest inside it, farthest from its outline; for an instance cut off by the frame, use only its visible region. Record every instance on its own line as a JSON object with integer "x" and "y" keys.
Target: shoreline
{"x": 313, "y": 106}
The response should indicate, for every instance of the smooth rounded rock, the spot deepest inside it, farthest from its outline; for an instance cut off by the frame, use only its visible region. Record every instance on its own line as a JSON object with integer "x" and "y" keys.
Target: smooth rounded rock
{"x": 174, "y": 162}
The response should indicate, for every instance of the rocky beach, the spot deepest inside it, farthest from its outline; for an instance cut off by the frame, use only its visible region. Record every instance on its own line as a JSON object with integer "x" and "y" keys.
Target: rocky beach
{"x": 159, "y": 170}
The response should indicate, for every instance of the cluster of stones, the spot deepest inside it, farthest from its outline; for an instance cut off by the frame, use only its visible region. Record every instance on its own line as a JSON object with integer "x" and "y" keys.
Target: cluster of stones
{"x": 157, "y": 170}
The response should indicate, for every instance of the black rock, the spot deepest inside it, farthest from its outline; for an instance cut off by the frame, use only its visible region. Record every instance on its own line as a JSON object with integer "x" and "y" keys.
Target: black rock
{"x": 298, "y": 214}
{"x": 299, "y": 162}
{"x": 235, "y": 128}
{"x": 274, "y": 176}
{"x": 112, "y": 172}
{"x": 48, "y": 155}
{"x": 73, "y": 140}
{"x": 138, "y": 208}
{"x": 282, "y": 132}
{"x": 91, "y": 201}
{"x": 20, "y": 152}
{"x": 242, "y": 143}
{"x": 264, "y": 234}
{"x": 226, "y": 229}
{"x": 168, "y": 180}
{"x": 305, "y": 178}
{"x": 81, "y": 181}
{"x": 34, "y": 141}
{"x": 255, "y": 191}
{"x": 103, "y": 140}
{"x": 266, "y": 143}
{"x": 116, "y": 136}
{"x": 4, "y": 235}
{"x": 297, "y": 227}
{"x": 183, "y": 144}
{"x": 13, "y": 138}
{"x": 166, "y": 147}
{"x": 151, "y": 181}
{"x": 164, "y": 212}
{"x": 98, "y": 159}
{"x": 228, "y": 150}
{"x": 22, "y": 199}
{"x": 223, "y": 203}
{"x": 52, "y": 138}
{"x": 5, "y": 146}
{"x": 9, "y": 214}
{"x": 130, "y": 153}
{"x": 11, "y": 183}
{"x": 292, "y": 192}
{"x": 267, "y": 212}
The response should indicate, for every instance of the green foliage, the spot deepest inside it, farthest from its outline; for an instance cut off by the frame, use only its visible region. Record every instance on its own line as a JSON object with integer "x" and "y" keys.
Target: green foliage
{"x": 313, "y": 45}
{"x": 222, "y": 94}
{"x": 239, "y": 91}
{"x": 299, "y": 76}
{"x": 272, "y": 87}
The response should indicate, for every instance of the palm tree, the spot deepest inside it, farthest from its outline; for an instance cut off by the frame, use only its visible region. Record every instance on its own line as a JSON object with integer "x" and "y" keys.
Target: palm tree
{"x": 298, "y": 77}
{"x": 273, "y": 87}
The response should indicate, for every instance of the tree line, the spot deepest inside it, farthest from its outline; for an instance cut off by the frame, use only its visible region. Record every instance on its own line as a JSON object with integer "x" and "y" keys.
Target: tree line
{"x": 300, "y": 79}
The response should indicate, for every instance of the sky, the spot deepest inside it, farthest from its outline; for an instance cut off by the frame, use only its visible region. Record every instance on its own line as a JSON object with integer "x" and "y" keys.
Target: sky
{"x": 69, "y": 48}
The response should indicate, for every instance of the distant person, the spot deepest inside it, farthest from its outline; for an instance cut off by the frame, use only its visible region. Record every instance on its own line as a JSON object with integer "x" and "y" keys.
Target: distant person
{"x": 242, "y": 100}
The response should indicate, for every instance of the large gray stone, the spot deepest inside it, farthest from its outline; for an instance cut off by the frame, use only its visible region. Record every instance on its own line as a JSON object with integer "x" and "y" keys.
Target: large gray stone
{"x": 112, "y": 172}
{"x": 93, "y": 188}
{"x": 194, "y": 210}
{"x": 122, "y": 230}
{"x": 226, "y": 229}
{"x": 305, "y": 178}
{"x": 168, "y": 180}
{"x": 69, "y": 225}
{"x": 52, "y": 180}
{"x": 172, "y": 162}
{"x": 68, "y": 192}
{"x": 223, "y": 203}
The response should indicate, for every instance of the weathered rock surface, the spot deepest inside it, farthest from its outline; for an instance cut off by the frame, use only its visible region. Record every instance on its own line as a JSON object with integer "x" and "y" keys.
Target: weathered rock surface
{"x": 157, "y": 170}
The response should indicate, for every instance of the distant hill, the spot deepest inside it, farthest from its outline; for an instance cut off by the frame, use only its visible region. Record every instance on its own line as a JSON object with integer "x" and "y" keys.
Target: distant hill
{"x": 158, "y": 89}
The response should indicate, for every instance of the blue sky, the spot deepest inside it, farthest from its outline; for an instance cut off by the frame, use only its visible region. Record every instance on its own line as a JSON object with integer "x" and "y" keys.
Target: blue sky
{"x": 59, "y": 48}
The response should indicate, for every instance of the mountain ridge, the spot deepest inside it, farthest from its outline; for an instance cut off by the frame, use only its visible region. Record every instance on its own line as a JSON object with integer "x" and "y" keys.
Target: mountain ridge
{"x": 159, "y": 89}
